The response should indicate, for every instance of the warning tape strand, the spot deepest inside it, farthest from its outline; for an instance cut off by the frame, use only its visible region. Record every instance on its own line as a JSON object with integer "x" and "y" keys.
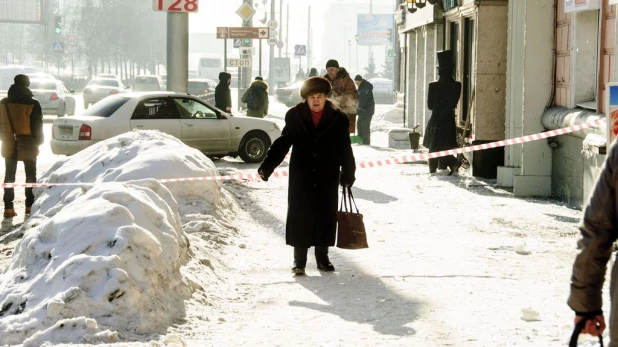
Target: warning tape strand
{"x": 280, "y": 173}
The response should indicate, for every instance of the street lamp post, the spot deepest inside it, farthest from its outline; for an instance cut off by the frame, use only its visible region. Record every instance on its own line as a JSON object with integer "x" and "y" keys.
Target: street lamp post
{"x": 357, "y": 69}
{"x": 349, "y": 52}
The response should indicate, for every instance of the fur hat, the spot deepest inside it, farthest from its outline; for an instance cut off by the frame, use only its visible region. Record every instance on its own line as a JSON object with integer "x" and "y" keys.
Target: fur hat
{"x": 314, "y": 85}
{"x": 332, "y": 63}
{"x": 358, "y": 78}
{"x": 22, "y": 80}
{"x": 259, "y": 78}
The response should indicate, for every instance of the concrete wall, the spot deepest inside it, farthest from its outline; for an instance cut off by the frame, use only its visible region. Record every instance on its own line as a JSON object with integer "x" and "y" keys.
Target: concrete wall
{"x": 584, "y": 56}
{"x": 490, "y": 73}
{"x": 574, "y": 174}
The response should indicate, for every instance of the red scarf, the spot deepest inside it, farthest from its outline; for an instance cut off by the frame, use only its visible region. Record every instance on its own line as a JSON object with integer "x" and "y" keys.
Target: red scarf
{"x": 316, "y": 116}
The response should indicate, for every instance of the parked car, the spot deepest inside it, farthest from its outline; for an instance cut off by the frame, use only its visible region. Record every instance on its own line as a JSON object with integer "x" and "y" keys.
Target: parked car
{"x": 100, "y": 88}
{"x": 41, "y": 75}
{"x": 54, "y": 96}
{"x": 290, "y": 95}
{"x": 186, "y": 117}
{"x": 108, "y": 75}
{"x": 383, "y": 92}
{"x": 148, "y": 83}
{"x": 202, "y": 86}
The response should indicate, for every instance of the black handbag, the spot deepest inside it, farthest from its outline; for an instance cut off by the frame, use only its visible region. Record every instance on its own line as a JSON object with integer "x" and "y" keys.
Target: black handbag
{"x": 350, "y": 226}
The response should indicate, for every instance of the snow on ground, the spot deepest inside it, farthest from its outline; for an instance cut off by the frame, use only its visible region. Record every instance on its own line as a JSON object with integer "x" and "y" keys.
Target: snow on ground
{"x": 102, "y": 263}
{"x": 453, "y": 260}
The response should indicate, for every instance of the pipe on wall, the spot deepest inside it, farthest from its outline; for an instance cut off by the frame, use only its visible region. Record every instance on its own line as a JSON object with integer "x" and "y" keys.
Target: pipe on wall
{"x": 558, "y": 117}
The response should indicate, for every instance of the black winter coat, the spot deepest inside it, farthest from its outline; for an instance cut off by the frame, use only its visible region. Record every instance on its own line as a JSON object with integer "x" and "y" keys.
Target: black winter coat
{"x": 366, "y": 104}
{"x": 223, "y": 95}
{"x": 441, "y": 132}
{"x": 317, "y": 157}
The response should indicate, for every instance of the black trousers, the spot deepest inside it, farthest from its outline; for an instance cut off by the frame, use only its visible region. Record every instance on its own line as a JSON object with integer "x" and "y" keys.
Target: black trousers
{"x": 9, "y": 177}
{"x": 363, "y": 127}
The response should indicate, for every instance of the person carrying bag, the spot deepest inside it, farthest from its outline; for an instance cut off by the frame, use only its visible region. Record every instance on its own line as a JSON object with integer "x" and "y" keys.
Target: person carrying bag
{"x": 350, "y": 226}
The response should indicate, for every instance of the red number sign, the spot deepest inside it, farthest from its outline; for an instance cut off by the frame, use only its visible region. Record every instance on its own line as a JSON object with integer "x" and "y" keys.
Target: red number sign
{"x": 175, "y": 5}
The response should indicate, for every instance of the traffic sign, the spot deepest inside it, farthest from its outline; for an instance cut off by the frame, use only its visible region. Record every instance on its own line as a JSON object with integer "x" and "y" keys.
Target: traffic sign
{"x": 247, "y": 50}
{"x": 272, "y": 41}
{"x": 236, "y": 43}
{"x": 300, "y": 50}
{"x": 280, "y": 44}
{"x": 242, "y": 32}
{"x": 71, "y": 40}
{"x": 58, "y": 46}
{"x": 245, "y": 11}
{"x": 272, "y": 24}
{"x": 235, "y": 62}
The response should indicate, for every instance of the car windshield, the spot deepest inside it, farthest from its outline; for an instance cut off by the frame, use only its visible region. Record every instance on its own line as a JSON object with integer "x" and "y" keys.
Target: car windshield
{"x": 42, "y": 85}
{"x": 145, "y": 80}
{"x": 105, "y": 82}
{"x": 210, "y": 62}
{"x": 106, "y": 107}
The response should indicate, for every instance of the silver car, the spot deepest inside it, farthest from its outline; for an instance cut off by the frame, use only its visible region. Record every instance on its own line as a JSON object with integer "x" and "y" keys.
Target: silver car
{"x": 54, "y": 96}
{"x": 100, "y": 88}
{"x": 196, "y": 123}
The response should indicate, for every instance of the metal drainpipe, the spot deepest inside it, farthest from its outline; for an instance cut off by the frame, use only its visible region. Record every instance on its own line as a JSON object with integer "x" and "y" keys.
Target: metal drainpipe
{"x": 405, "y": 78}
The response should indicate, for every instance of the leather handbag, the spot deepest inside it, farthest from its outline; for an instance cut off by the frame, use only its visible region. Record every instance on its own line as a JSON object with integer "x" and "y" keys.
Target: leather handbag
{"x": 350, "y": 226}
{"x": 24, "y": 144}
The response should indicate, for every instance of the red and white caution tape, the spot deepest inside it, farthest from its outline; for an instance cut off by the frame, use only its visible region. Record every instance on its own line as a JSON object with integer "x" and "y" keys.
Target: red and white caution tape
{"x": 363, "y": 164}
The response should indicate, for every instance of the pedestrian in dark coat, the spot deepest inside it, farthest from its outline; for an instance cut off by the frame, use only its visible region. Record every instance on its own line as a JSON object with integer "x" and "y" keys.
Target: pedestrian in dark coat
{"x": 26, "y": 122}
{"x": 442, "y": 98}
{"x": 344, "y": 91}
{"x": 313, "y": 72}
{"x": 261, "y": 88}
{"x": 365, "y": 109}
{"x": 223, "y": 95}
{"x": 318, "y": 133}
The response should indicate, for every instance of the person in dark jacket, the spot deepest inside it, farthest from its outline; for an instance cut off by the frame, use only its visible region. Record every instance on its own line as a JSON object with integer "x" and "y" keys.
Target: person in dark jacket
{"x": 365, "y": 109}
{"x": 598, "y": 234}
{"x": 26, "y": 123}
{"x": 223, "y": 95}
{"x": 344, "y": 91}
{"x": 260, "y": 88}
{"x": 312, "y": 72}
{"x": 318, "y": 133}
{"x": 442, "y": 99}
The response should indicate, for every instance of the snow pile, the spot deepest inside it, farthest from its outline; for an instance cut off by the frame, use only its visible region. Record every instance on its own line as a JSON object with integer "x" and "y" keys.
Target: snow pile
{"x": 99, "y": 262}
{"x": 391, "y": 118}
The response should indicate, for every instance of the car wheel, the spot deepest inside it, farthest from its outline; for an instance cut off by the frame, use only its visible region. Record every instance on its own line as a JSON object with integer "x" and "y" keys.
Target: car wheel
{"x": 62, "y": 111}
{"x": 253, "y": 147}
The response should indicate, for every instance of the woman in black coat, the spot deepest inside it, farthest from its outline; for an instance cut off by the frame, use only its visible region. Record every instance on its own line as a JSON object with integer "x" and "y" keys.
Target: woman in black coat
{"x": 318, "y": 132}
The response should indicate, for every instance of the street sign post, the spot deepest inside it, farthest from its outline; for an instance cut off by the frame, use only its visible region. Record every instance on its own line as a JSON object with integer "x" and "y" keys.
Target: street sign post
{"x": 272, "y": 41}
{"x": 175, "y": 5}
{"x": 272, "y": 24}
{"x": 245, "y": 11}
{"x": 58, "y": 47}
{"x": 242, "y": 32}
{"x": 247, "y": 50}
{"x": 300, "y": 50}
{"x": 236, "y": 43}
{"x": 238, "y": 62}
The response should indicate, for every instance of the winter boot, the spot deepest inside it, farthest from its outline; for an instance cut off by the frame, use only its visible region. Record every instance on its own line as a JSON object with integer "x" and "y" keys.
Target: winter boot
{"x": 28, "y": 209}
{"x": 321, "y": 257}
{"x": 9, "y": 212}
{"x": 300, "y": 260}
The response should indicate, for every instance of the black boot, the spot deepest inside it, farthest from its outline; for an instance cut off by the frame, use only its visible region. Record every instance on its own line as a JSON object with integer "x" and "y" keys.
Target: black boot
{"x": 321, "y": 257}
{"x": 300, "y": 260}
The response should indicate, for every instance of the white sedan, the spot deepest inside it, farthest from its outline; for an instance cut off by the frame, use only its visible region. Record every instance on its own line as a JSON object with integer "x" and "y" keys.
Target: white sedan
{"x": 184, "y": 116}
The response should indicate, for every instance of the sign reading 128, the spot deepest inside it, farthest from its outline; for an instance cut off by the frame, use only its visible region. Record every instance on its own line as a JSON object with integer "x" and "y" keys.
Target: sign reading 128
{"x": 175, "y": 5}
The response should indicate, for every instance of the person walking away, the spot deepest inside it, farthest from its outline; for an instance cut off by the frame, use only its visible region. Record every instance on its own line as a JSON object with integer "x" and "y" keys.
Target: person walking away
{"x": 21, "y": 118}
{"x": 343, "y": 92}
{"x": 317, "y": 131}
{"x": 223, "y": 95}
{"x": 256, "y": 98}
{"x": 442, "y": 98}
{"x": 365, "y": 109}
{"x": 313, "y": 72}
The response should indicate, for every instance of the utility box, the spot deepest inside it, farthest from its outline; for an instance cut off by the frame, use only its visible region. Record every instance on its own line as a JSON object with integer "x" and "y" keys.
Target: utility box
{"x": 399, "y": 138}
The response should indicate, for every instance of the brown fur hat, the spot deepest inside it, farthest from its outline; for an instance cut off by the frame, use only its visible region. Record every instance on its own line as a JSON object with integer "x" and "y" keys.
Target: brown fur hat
{"x": 315, "y": 85}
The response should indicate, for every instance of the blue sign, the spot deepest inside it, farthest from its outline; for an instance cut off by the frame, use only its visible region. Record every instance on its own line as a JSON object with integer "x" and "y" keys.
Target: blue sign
{"x": 374, "y": 29}
{"x": 237, "y": 43}
{"x": 58, "y": 46}
{"x": 612, "y": 110}
{"x": 300, "y": 50}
